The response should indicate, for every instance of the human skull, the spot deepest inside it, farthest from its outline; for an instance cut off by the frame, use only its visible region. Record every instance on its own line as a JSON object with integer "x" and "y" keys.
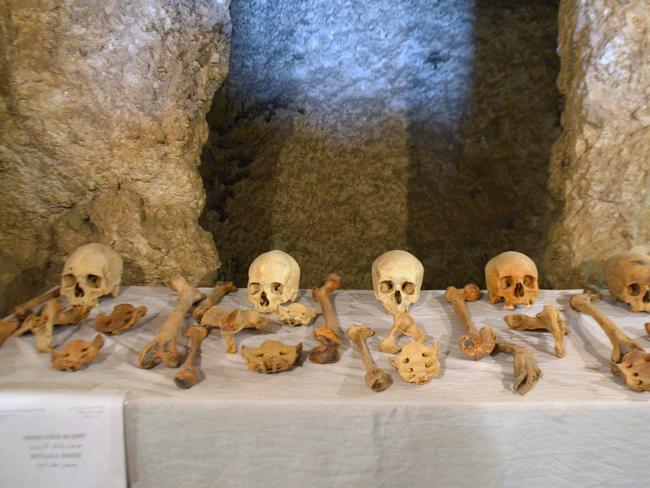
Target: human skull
{"x": 273, "y": 279}
{"x": 397, "y": 280}
{"x": 271, "y": 356}
{"x": 512, "y": 277}
{"x": 628, "y": 279}
{"x": 417, "y": 362}
{"x": 76, "y": 354}
{"x": 91, "y": 271}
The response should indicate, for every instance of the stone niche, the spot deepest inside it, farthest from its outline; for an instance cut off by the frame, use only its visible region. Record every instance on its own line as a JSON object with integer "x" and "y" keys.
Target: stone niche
{"x": 345, "y": 129}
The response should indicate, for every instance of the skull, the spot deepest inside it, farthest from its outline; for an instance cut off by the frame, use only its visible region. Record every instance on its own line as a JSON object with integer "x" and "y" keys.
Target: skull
{"x": 76, "y": 354}
{"x": 417, "y": 362}
{"x": 91, "y": 271}
{"x": 273, "y": 279}
{"x": 628, "y": 279}
{"x": 271, "y": 356}
{"x": 396, "y": 280}
{"x": 512, "y": 277}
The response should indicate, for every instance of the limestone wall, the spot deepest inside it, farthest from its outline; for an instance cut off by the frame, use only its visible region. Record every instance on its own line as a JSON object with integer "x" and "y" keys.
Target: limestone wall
{"x": 102, "y": 106}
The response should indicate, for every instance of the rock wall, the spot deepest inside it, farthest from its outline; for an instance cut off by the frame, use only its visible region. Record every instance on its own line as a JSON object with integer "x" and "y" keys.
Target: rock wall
{"x": 102, "y": 106}
{"x": 601, "y": 164}
{"x": 349, "y": 128}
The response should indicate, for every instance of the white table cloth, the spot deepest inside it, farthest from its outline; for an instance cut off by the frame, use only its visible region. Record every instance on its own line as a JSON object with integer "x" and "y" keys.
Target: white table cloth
{"x": 319, "y": 425}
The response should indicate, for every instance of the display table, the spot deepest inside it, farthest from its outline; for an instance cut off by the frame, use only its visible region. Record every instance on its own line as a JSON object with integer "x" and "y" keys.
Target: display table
{"x": 319, "y": 425}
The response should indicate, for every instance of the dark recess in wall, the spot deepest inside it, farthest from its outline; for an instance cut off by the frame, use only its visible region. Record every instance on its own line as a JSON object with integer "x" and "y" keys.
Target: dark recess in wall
{"x": 344, "y": 131}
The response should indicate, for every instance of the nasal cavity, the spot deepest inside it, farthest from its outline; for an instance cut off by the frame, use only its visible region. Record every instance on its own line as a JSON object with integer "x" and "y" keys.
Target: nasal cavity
{"x": 519, "y": 290}
{"x": 264, "y": 300}
{"x": 78, "y": 291}
{"x": 398, "y": 297}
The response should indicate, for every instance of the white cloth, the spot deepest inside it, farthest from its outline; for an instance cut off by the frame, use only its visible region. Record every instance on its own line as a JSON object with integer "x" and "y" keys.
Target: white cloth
{"x": 319, "y": 425}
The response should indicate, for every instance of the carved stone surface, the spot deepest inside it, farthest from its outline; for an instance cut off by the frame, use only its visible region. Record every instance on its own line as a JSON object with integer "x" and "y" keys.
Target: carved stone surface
{"x": 599, "y": 169}
{"x": 102, "y": 119}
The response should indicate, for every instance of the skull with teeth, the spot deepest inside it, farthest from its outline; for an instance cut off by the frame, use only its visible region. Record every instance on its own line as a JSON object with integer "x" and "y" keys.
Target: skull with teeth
{"x": 628, "y": 279}
{"x": 91, "y": 271}
{"x": 273, "y": 279}
{"x": 512, "y": 277}
{"x": 396, "y": 280}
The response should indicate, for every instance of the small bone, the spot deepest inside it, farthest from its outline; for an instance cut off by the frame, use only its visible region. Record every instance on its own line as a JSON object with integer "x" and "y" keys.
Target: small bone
{"x": 403, "y": 324}
{"x": 7, "y": 327}
{"x": 232, "y": 322}
{"x": 271, "y": 357}
{"x": 190, "y": 372}
{"x": 329, "y": 335}
{"x": 76, "y": 354}
{"x": 296, "y": 314}
{"x": 163, "y": 346}
{"x": 476, "y": 343}
{"x": 122, "y": 318}
{"x": 376, "y": 379}
{"x": 629, "y": 360}
{"x": 417, "y": 363}
{"x": 23, "y": 310}
{"x": 549, "y": 320}
{"x": 527, "y": 373}
{"x": 213, "y": 299}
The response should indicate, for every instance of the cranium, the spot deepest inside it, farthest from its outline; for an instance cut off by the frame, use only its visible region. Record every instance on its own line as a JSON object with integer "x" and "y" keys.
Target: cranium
{"x": 417, "y": 362}
{"x": 396, "y": 280}
{"x": 271, "y": 356}
{"x": 76, "y": 354}
{"x": 91, "y": 271}
{"x": 628, "y": 279}
{"x": 273, "y": 279}
{"x": 512, "y": 277}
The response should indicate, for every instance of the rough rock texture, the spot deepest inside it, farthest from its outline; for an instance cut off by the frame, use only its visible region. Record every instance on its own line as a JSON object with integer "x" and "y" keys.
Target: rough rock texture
{"x": 349, "y": 128}
{"x": 102, "y": 106}
{"x": 601, "y": 165}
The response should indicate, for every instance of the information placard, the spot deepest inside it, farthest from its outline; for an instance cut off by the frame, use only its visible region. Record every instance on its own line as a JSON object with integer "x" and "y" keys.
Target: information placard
{"x": 62, "y": 439}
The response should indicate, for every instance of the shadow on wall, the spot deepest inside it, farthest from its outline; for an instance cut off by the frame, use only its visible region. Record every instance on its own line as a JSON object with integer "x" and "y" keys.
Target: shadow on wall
{"x": 345, "y": 130}
{"x": 482, "y": 188}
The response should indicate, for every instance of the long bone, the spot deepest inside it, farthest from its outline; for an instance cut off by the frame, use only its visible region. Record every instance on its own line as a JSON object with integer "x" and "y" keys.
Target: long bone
{"x": 231, "y": 322}
{"x": 23, "y": 310}
{"x": 190, "y": 372}
{"x": 215, "y": 296}
{"x": 403, "y": 324}
{"x": 548, "y": 319}
{"x": 329, "y": 335}
{"x": 476, "y": 343}
{"x": 527, "y": 373}
{"x": 163, "y": 346}
{"x": 376, "y": 378}
{"x": 628, "y": 360}
{"x": 7, "y": 327}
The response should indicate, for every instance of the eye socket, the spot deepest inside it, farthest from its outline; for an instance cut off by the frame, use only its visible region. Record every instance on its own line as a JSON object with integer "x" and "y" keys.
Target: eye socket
{"x": 254, "y": 288}
{"x": 277, "y": 288}
{"x": 505, "y": 282}
{"x": 634, "y": 289}
{"x": 94, "y": 281}
{"x": 68, "y": 280}
{"x": 529, "y": 281}
{"x": 408, "y": 287}
{"x": 385, "y": 286}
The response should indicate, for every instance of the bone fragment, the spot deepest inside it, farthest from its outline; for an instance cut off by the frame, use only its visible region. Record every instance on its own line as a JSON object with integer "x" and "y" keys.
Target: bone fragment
{"x": 376, "y": 378}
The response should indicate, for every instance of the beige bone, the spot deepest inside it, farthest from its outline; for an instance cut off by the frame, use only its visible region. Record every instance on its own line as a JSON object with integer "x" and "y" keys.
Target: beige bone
{"x": 403, "y": 324}
{"x": 329, "y": 335}
{"x": 163, "y": 346}
{"x": 231, "y": 322}
{"x": 548, "y": 319}
{"x": 7, "y": 327}
{"x": 213, "y": 299}
{"x": 271, "y": 357}
{"x": 296, "y": 314}
{"x": 527, "y": 373}
{"x": 122, "y": 318}
{"x": 190, "y": 372}
{"x": 417, "y": 363}
{"x": 376, "y": 378}
{"x": 628, "y": 360}
{"x": 23, "y": 310}
{"x": 476, "y": 343}
{"x": 76, "y": 354}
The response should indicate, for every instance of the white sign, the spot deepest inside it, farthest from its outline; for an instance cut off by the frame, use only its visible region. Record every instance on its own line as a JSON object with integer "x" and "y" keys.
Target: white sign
{"x": 62, "y": 440}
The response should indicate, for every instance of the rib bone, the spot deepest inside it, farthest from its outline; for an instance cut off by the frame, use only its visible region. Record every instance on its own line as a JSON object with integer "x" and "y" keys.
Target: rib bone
{"x": 376, "y": 379}
{"x": 476, "y": 343}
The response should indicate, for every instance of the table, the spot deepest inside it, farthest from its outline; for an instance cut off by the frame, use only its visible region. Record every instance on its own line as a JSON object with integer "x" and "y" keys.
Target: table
{"x": 319, "y": 425}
